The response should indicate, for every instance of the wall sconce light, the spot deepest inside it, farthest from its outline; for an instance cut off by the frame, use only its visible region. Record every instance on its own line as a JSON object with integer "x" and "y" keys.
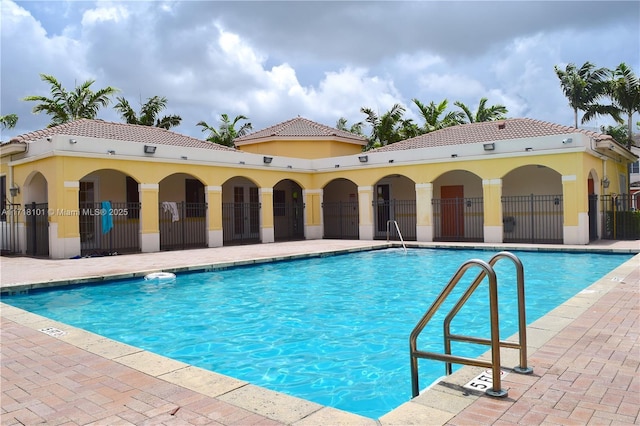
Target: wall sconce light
{"x": 556, "y": 201}
{"x": 363, "y": 158}
{"x": 73, "y": 141}
{"x": 605, "y": 182}
{"x": 391, "y": 161}
{"x": 567, "y": 140}
{"x": 289, "y": 166}
{"x": 241, "y": 162}
{"x": 337, "y": 165}
{"x": 14, "y": 190}
{"x": 111, "y": 152}
{"x": 489, "y": 146}
{"x": 150, "y": 149}
{"x": 184, "y": 157}
{"x": 267, "y": 160}
{"x": 468, "y": 203}
{"x": 454, "y": 155}
{"x": 528, "y": 149}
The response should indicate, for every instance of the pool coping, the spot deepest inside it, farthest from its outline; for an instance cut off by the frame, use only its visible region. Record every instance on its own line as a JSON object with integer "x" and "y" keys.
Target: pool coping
{"x": 439, "y": 404}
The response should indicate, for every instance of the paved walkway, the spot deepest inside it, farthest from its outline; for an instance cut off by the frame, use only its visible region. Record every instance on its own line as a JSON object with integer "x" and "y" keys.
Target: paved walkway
{"x": 585, "y": 355}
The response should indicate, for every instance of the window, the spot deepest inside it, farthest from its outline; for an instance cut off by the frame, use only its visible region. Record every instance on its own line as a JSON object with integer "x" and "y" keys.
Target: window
{"x": 279, "y": 202}
{"x": 194, "y": 198}
{"x": 634, "y": 167}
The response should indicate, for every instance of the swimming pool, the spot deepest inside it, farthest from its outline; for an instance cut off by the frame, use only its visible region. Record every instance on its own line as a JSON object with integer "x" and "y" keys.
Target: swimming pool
{"x": 332, "y": 330}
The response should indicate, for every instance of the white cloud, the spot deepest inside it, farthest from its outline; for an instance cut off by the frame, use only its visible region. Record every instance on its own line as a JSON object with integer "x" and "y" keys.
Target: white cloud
{"x": 104, "y": 14}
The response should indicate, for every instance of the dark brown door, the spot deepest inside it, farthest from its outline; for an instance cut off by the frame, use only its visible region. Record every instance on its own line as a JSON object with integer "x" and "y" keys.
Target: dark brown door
{"x": 452, "y": 210}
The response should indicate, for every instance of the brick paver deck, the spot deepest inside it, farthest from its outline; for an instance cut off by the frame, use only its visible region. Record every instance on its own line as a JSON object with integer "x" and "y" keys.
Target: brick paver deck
{"x": 586, "y": 374}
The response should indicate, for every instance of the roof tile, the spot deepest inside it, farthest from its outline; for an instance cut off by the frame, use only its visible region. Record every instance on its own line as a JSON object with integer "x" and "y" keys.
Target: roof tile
{"x": 514, "y": 128}
{"x": 300, "y": 127}
{"x": 119, "y": 131}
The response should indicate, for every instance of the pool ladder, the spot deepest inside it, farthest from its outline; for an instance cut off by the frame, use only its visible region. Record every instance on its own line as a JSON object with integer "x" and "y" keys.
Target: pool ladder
{"x": 389, "y": 222}
{"x": 495, "y": 342}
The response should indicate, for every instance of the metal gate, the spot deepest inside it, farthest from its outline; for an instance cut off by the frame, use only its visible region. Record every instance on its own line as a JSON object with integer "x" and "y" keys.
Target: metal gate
{"x": 108, "y": 228}
{"x": 532, "y": 219}
{"x": 37, "y": 225}
{"x": 9, "y": 228}
{"x": 458, "y": 219}
{"x": 402, "y": 211}
{"x": 620, "y": 220}
{"x": 182, "y": 225}
{"x": 341, "y": 220}
{"x": 240, "y": 223}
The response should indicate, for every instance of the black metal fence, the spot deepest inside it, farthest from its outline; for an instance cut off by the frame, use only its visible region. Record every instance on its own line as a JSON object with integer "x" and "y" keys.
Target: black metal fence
{"x": 37, "y": 227}
{"x": 402, "y": 211}
{"x": 288, "y": 221}
{"x": 532, "y": 219}
{"x": 182, "y": 225}
{"x": 341, "y": 220}
{"x": 240, "y": 223}
{"x": 458, "y": 219}
{"x": 9, "y": 242}
{"x": 620, "y": 220}
{"x": 109, "y": 228}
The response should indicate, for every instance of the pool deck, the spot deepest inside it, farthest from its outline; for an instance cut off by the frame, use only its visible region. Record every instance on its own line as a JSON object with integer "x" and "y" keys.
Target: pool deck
{"x": 585, "y": 355}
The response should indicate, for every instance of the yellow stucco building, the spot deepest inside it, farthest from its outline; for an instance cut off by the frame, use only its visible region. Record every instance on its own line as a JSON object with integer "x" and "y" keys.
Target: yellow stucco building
{"x": 91, "y": 187}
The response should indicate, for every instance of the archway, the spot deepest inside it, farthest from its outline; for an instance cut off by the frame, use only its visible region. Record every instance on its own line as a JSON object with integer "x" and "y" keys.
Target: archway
{"x": 182, "y": 212}
{"x": 395, "y": 200}
{"x": 109, "y": 216}
{"x": 240, "y": 211}
{"x": 340, "y": 210}
{"x": 458, "y": 207}
{"x": 36, "y": 214}
{"x": 288, "y": 211}
{"x": 532, "y": 206}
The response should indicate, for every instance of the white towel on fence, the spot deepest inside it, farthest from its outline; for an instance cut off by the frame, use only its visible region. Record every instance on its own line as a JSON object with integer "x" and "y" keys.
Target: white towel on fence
{"x": 171, "y": 207}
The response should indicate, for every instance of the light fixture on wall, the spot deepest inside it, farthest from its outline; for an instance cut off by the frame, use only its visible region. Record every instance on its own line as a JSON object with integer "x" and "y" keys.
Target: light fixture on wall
{"x": 14, "y": 190}
{"x": 528, "y": 149}
{"x": 73, "y": 141}
{"x": 391, "y": 161}
{"x": 337, "y": 166}
{"x": 111, "y": 152}
{"x": 267, "y": 160}
{"x": 150, "y": 149}
{"x": 605, "y": 182}
{"x": 489, "y": 146}
{"x": 363, "y": 158}
{"x": 454, "y": 155}
{"x": 567, "y": 140}
{"x": 184, "y": 157}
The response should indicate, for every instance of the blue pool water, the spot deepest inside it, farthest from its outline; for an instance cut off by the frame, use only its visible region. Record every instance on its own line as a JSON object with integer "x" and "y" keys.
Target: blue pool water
{"x": 333, "y": 330}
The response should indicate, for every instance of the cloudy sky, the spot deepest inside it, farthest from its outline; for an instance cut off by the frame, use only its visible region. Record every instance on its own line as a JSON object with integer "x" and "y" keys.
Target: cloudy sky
{"x": 272, "y": 61}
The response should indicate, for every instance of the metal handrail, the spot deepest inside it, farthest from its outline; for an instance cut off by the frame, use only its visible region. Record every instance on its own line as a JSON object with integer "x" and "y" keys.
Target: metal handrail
{"x": 389, "y": 222}
{"x": 495, "y": 331}
{"x": 522, "y": 322}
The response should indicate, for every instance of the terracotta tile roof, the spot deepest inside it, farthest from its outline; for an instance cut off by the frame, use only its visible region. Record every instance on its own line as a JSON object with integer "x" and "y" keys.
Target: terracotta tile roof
{"x": 301, "y": 127}
{"x": 514, "y": 128}
{"x": 119, "y": 131}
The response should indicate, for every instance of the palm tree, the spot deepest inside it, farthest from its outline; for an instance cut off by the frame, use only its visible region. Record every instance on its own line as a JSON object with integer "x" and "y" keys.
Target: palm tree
{"x": 431, "y": 114}
{"x": 149, "y": 112}
{"x": 227, "y": 132}
{"x": 581, "y": 86}
{"x": 492, "y": 113}
{"x": 8, "y": 121}
{"x": 387, "y": 128}
{"x": 356, "y": 128}
{"x": 624, "y": 90}
{"x": 63, "y": 106}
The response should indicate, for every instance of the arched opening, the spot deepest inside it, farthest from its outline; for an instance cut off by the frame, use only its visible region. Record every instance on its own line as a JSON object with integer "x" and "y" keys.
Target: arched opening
{"x": 458, "y": 207}
{"x": 395, "y": 200}
{"x": 182, "y": 212}
{"x": 36, "y": 209}
{"x": 109, "y": 215}
{"x": 288, "y": 211}
{"x": 240, "y": 211}
{"x": 532, "y": 206}
{"x": 340, "y": 216}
